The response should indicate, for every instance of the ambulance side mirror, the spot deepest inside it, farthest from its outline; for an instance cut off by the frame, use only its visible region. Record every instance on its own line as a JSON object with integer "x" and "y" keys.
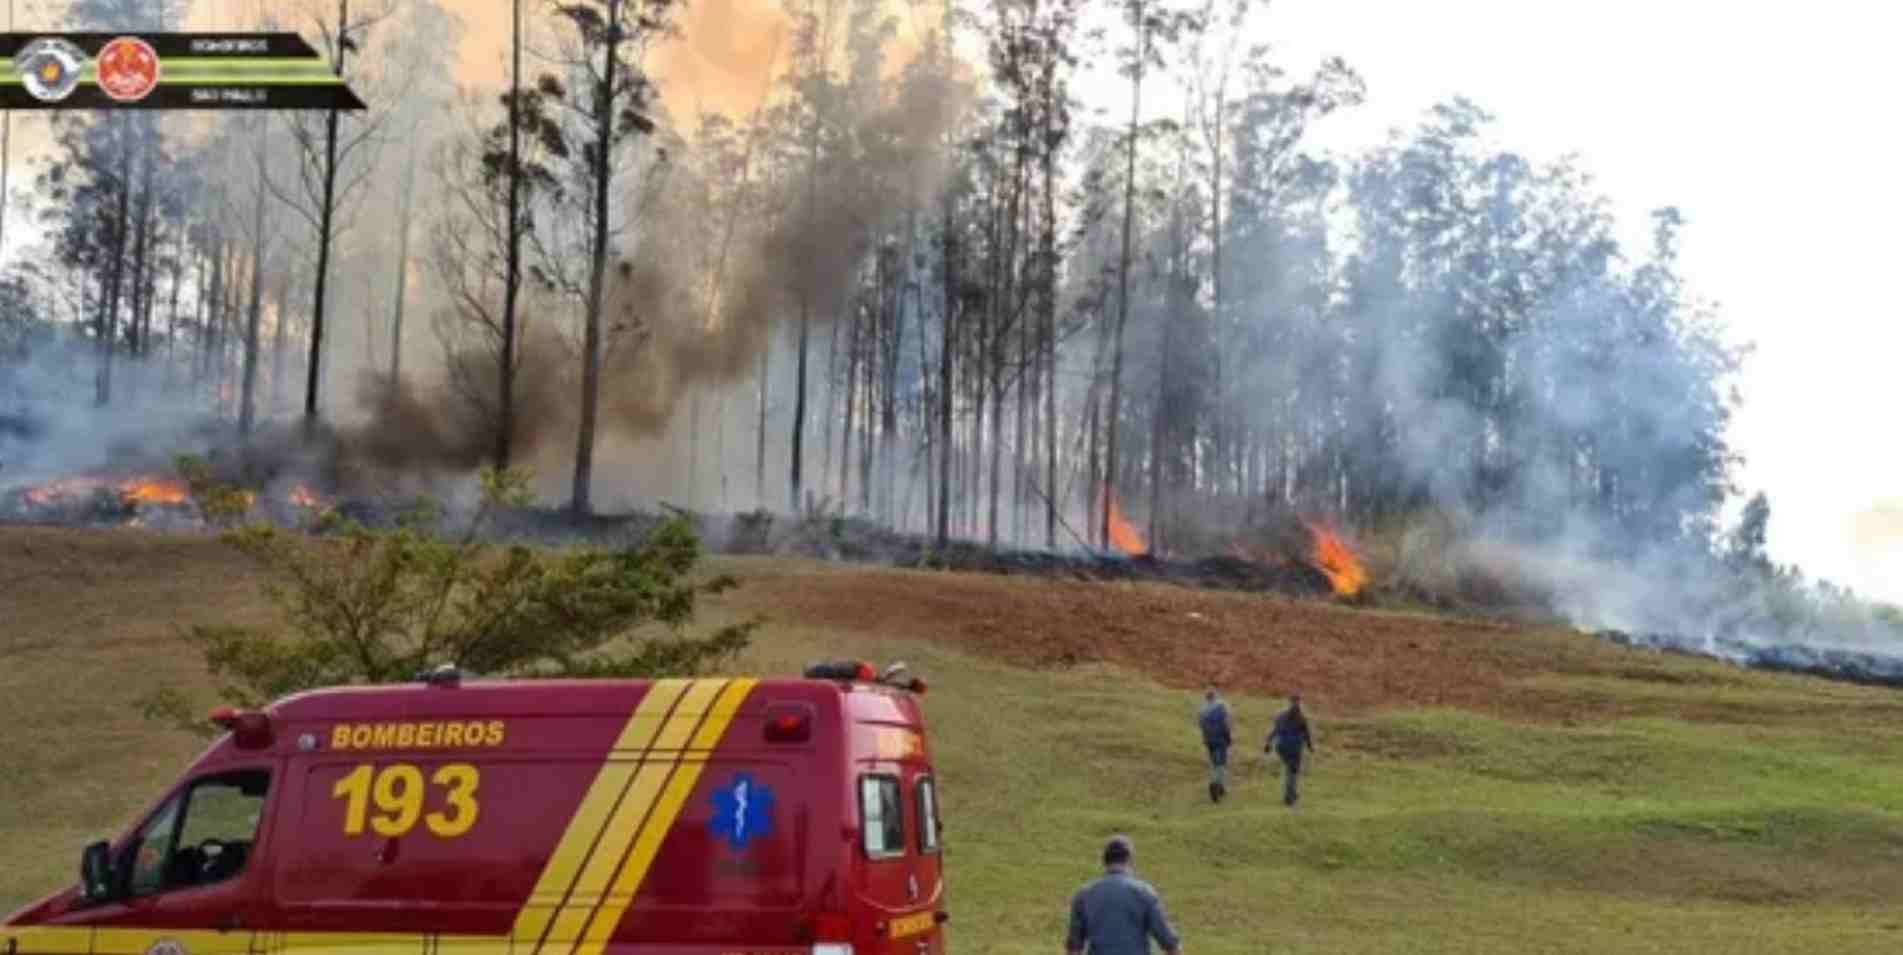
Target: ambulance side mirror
{"x": 95, "y": 872}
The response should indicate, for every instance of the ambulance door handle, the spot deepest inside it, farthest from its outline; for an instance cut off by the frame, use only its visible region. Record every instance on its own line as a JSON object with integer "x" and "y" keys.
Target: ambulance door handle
{"x": 225, "y": 923}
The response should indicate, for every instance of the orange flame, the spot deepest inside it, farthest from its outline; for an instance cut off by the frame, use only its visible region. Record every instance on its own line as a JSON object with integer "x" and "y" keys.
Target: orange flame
{"x": 155, "y": 491}
{"x": 305, "y": 497}
{"x": 1124, "y": 535}
{"x": 54, "y": 490}
{"x": 138, "y": 490}
{"x": 1336, "y": 560}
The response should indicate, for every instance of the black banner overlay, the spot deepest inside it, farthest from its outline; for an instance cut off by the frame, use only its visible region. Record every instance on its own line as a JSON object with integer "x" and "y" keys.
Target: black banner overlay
{"x": 181, "y": 96}
{"x": 236, "y": 46}
{"x": 195, "y": 71}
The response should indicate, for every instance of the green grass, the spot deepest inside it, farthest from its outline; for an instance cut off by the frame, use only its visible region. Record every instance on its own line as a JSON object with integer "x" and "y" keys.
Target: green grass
{"x": 1420, "y": 831}
{"x": 1758, "y": 814}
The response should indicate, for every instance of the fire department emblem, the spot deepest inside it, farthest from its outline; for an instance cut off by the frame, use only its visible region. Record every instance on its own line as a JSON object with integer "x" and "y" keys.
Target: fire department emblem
{"x": 128, "y": 69}
{"x": 49, "y": 68}
{"x": 166, "y": 946}
{"x": 743, "y": 811}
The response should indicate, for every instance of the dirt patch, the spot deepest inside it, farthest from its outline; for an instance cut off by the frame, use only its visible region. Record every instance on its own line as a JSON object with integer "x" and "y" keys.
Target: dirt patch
{"x": 63, "y": 587}
{"x": 1344, "y": 659}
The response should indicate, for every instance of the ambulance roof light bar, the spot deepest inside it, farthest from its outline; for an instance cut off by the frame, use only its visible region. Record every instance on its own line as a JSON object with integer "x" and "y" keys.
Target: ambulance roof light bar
{"x": 859, "y": 671}
{"x": 249, "y": 729}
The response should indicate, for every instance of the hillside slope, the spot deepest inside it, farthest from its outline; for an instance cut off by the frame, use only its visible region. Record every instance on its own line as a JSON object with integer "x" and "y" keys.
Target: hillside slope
{"x": 1480, "y": 788}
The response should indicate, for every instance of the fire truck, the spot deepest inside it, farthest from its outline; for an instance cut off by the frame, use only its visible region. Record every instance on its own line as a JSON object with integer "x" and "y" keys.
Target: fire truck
{"x": 586, "y": 817}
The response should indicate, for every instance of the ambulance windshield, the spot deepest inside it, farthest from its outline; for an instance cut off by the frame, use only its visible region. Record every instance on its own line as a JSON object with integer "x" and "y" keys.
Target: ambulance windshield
{"x": 203, "y": 836}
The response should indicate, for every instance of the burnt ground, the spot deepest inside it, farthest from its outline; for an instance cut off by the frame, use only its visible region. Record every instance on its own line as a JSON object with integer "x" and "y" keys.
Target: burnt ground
{"x": 129, "y": 585}
{"x": 1355, "y": 659}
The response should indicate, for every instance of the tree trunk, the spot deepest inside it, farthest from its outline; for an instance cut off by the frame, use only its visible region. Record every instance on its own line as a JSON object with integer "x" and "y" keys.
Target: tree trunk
{"x": 759, "y": 457}
{"x": 505, "y": 400}
{"x": 806, "y": 318}
{"x": 315, "y": 368}
{"x": 109, "y": 318}
{"x": 979, "y": 378}
{"x": 402, "y": 292}
{"x": 279, "y": 339}
{"x": 889, "y": 420}
{"x": 869, "y": 390}
{"x": 1096, "y": 484}
{"x": 830, "y": 416}
{"x": 1227, "y": 439}
{"x": 1022, "y": 372}
{"x": 799, "y": 409}
{"x": 1048, "y": 301}
{"x": 852, "y": 395}
{"x": 949, "y": 336}
{"x": 215, "y": 317}
{"x": 1123, "y": 269}
{"x": 142, "y": 231}
{"x": 598, "y": 269}
{"x": 247, "y": 413}
{"x": 868, "y": 441}
{"x": 171, "y": 320}
{"x": 928, "y": 436}
{"x": 227, "y": 329}
{"x": 201, "y": 318}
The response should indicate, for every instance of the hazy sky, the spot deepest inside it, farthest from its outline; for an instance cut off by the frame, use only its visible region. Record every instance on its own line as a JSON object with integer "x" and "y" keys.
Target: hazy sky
{"x": 1769, "y": 126}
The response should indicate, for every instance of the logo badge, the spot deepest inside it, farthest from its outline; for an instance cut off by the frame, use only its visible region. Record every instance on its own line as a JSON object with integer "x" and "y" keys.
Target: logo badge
{"x": 166, "y": 946}
{"x": 128, "y": 69}
{"x": 743, "y": 811}
{"x": 49, "y": 68}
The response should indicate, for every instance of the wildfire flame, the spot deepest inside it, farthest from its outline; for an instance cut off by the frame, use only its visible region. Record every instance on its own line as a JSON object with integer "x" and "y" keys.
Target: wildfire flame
{"x": 1336, "y": 560}
{"x": 155, "y": 491}
{"x": 306, "y": 498}
{"x": 66, "y": 487}
{"x": 139, "y": 490}
{"x": 1124, "y": 535}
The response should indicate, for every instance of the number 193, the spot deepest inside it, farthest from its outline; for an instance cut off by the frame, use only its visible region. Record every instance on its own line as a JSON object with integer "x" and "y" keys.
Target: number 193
{"x": 398, "y": 793}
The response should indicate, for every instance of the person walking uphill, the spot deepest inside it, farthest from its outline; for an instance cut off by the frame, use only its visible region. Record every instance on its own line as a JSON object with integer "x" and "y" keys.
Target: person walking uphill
{"x": 1117, "y": 913}
{"x": 1214, "y": 720}
{"x": 1289, "y": 739}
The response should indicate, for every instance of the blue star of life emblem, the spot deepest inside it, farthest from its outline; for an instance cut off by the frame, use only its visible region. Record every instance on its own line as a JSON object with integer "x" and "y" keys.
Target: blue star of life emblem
{"x": 743, "y": 811}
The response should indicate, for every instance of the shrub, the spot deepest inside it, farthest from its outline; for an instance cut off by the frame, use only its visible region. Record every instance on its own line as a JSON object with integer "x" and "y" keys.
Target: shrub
{"x": 365, "y": 606}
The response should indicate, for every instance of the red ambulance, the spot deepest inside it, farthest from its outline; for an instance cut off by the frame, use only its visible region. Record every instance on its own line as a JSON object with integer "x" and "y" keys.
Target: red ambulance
{"x": 666, "y": 817}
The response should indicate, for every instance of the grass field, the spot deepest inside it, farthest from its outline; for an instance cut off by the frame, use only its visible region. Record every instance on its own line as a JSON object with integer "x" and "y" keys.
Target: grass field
{"x": 1479, "y": 788}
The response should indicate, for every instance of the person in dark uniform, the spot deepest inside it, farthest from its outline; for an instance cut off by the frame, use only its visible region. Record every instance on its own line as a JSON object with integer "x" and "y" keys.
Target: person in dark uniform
{"x": 1213, "y": 718}
{"x": 1117, "y": 913}
{"x": 1289, "y": 740}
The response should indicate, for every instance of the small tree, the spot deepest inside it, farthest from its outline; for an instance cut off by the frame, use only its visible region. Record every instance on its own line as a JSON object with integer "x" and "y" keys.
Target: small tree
{"x": 221, "y": 504}
{"x": 367, "y": 606}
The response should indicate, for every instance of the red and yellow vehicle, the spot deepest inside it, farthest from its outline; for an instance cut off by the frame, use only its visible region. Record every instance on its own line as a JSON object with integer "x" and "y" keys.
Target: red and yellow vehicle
{"x": 666, "y": 817}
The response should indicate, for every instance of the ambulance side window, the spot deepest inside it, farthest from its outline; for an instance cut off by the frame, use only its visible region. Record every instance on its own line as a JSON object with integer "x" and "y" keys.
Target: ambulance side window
{"x": 927, "y": 793}
{"x": 202, "y": 837}
{"x": 881, "y": 817}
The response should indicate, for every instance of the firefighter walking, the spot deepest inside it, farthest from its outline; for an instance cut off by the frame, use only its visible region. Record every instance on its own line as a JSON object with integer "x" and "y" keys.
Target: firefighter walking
{"x": 1118, "y": 913}
{"x": 1213, "y": 718}
{"x": 1290, "y": 739}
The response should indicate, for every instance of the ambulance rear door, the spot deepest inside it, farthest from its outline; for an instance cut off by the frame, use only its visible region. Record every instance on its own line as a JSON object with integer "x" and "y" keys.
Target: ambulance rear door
{"x": 899, "y": 881}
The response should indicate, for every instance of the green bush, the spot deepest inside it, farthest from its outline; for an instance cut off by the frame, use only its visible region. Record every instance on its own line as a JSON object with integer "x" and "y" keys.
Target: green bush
{"x": 366, "y": 606}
